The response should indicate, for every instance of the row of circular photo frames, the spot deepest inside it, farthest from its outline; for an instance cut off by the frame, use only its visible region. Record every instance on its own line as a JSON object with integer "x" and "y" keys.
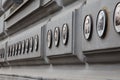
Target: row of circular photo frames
{"x": 2, "y": 53}
{"x": 29, "y": 45}
{"x": 101, "y": 23}
{"x": 65, "y": 35}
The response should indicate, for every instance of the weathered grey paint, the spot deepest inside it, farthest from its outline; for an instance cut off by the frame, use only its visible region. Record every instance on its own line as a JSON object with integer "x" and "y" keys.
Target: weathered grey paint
{"x": 96, "y": 59}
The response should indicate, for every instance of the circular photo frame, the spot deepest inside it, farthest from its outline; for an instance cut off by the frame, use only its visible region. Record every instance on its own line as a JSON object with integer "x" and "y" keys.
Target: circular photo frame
{"x": 56, "y": 36}
{"x": 36, "y": 42}
{"x": 13, "y": 50}
{"x": 87, "y": 27}
{"x": 31, "y": 44}
{"x": 23, "y": 47}
{"x": 27, "y": 45}
{"x": 19, "y": 47}
{"x": 16, "y": 48}
{"x": 116, "y": 17}
{"x": 65, "y": 33}
{"x": 49, "y": 38}
{"x": 101, "y": 23}
{"x": 9, "y": 51}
